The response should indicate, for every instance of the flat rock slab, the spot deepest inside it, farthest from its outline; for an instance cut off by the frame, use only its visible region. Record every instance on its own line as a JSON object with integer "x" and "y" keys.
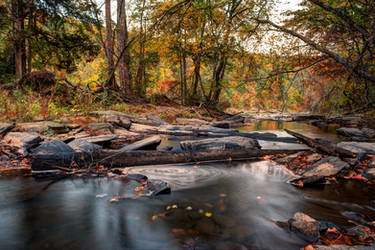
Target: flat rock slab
{"x": 81, "y": 145}
{"x": 326, "y": 167}
{"x": 358, "y": 147}
{"x": 100, "y": 126}
{"x": 155, "y": 119}
{"x": 357, "y": 134}
{"x": 191, "y": 121}
{"x": 282, "y": 145}
{"x": 55, "y": 146}
{"x": 230, "y": 142}
{"x": 100, "y": 139}
{"x": 149, "y": 143}
{"x": 43, "y": 126}
{"x": 5, "y": 128}
{"x": 22, "y": 140}
{"x": 132, "y": 118}
{"x": 117, "y": 121}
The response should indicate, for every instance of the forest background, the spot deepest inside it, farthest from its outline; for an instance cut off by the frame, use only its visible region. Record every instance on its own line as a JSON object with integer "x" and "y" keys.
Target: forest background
{"x": 62, "y": 57}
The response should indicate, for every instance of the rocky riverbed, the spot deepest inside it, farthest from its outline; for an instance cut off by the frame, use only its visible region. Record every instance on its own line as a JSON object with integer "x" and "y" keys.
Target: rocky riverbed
{"x": 114, "y": 141}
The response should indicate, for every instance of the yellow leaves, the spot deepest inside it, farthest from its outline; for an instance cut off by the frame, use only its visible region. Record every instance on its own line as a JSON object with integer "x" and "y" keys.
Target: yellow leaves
{"x": 101, "y": 195}
{"x": 208, "y": 214}
{"x": 115, "y": 199}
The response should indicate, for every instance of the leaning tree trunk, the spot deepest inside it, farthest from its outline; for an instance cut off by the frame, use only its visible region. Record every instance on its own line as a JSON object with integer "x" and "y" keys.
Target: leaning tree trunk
{"x": 122, "y": 39}
{"x": 109, "y": 45}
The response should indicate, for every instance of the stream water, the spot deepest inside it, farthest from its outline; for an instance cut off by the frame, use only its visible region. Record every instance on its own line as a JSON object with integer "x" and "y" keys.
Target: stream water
{"x": 227, "y": 205}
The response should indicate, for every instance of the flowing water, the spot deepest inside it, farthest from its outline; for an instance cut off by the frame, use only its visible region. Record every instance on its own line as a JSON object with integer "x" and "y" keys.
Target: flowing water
{"x": 227, "y": 205}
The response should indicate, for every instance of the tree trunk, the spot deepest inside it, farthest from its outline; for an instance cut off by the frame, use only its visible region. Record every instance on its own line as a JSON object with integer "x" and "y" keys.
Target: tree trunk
{"x": 141, "y": 71}
{"x": 19, "y": 44}
{"x": 182, "y": 75}
{"x": 109, "y": 44}
{"x": 197, "y": 73}
{"x": 122, "y": 39}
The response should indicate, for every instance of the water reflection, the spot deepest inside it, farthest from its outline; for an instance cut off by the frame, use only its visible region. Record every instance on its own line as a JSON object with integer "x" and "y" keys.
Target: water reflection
{"x": 218, "y": 206}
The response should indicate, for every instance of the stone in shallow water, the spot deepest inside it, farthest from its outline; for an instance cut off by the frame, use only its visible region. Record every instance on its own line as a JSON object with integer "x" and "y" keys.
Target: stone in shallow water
{"x": 306, "y": 225}
{"x": 326, "y": 167}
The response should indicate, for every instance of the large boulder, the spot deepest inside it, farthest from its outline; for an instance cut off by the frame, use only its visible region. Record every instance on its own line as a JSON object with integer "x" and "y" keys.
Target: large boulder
{"x": 230, "y": 142}
{"x": 54, "y": 146}
{"x": 326, "y": 167}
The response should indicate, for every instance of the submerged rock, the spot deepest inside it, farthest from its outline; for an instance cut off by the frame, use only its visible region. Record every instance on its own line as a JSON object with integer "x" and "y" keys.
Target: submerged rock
{"x": 231, "y": 142}
{"x": 326, "y": 167}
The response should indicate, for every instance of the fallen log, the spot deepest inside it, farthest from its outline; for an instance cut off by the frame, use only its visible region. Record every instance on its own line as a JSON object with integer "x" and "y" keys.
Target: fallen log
{"x": 323, "y": 145}
{"x": 140, "y": 158}
{"x": 116, "y": 159}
